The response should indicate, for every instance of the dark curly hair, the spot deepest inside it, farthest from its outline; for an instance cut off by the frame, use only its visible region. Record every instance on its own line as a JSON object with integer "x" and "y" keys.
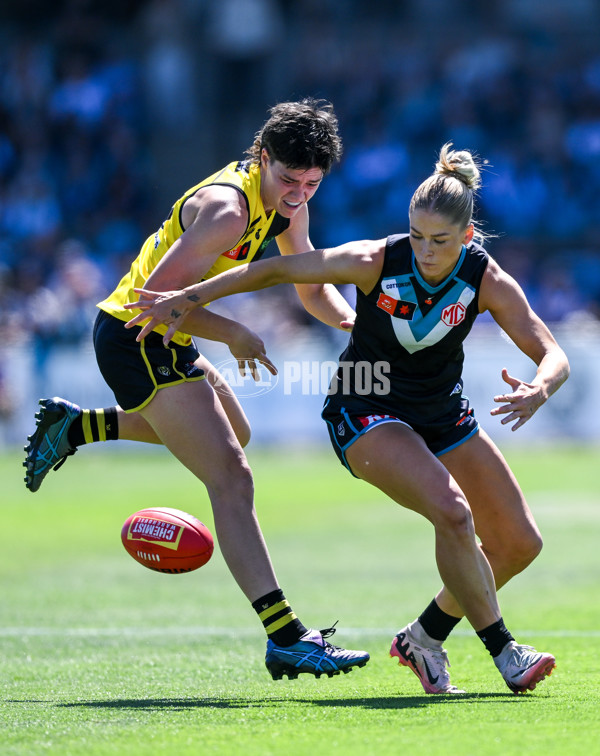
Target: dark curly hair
{"x": 301, "y": 134}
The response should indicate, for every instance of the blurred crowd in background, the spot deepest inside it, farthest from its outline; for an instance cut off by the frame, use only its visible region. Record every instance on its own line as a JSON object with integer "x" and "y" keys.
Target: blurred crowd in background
{"x": 110, "y": 110}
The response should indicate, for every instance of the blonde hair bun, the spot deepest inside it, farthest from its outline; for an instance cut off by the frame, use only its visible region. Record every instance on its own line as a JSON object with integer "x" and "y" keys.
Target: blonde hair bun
{"x": 459, "y": 163}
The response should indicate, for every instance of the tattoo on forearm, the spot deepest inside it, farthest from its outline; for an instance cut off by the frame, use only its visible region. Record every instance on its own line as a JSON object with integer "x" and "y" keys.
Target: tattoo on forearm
{"x": 194, "y": 298}
{"x": 175, "y": 313}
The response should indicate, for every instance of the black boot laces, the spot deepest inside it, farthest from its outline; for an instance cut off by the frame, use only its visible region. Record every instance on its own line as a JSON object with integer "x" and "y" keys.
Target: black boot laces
{"x": 63, "y": 459}
{"x": 327, "y": 633}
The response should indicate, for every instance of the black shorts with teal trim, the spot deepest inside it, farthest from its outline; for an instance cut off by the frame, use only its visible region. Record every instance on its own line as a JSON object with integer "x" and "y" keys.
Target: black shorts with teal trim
{"x": 348, "y": 422}
{"x": 136, "y": 370}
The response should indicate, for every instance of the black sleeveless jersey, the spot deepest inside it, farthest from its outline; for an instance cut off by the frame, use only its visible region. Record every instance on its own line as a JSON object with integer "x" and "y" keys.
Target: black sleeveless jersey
{"x": 418, "y": 329}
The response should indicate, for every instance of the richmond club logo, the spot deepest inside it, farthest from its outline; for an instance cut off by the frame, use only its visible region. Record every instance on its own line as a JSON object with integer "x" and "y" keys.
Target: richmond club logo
{"x": 453, "y": 314}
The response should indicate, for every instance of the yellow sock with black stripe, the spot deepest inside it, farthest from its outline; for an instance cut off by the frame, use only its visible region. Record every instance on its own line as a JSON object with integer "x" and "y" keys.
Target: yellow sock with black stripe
{"x": 94, "y": 425}
{"x": 280, "y": 622}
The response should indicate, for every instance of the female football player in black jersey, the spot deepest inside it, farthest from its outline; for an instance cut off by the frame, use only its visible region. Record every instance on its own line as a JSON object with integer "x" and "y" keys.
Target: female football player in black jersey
{"x": 396, "y": 413}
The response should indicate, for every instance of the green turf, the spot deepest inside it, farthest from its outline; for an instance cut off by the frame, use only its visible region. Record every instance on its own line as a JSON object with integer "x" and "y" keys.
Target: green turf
{"x": 100, "y": 656}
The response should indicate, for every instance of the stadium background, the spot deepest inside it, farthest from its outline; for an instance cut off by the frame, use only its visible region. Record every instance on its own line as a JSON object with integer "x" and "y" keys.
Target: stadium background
{"x": 110, "y": 110}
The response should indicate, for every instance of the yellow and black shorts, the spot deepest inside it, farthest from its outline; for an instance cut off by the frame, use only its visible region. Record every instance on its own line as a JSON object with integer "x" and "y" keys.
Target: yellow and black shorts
{"x": 134, "y": 370}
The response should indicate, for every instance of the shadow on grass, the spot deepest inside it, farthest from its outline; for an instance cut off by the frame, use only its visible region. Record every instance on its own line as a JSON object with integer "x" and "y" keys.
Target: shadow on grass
{"x": 389, "y": 702}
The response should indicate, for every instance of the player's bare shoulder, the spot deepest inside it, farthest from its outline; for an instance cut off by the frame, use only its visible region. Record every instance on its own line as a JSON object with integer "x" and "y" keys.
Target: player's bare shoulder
{"x": 216, "y": 203}
{"x": 496, "y": 285}
{"x": 499, "y": 292}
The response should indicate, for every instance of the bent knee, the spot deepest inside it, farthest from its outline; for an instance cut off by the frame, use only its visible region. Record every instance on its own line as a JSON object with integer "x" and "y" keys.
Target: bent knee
{"x": 240, "y": 481}
{"x": 514, "y": 555}
{"x": 525, "y": 550}
{"x": 535, "y": 545}
{"x": 233, "y": 486}
{"x": 454, "y": 514}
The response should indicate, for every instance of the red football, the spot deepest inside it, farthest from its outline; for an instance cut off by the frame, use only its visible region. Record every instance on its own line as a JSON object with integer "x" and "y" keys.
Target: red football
{"x": 167, "y": 540}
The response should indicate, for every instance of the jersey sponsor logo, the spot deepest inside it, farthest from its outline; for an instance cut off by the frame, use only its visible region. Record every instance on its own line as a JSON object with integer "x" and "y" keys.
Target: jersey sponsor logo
{"x": 454, "y": 314}
{"x": 238, "y": 253}
{"x": 252, "y": 230}
{"x": 386, "y": 303}
{"x": 396, "y": 307}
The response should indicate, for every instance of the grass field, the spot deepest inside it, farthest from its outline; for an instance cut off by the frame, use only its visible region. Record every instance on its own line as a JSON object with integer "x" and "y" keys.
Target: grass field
{"x": 100, "y": 656}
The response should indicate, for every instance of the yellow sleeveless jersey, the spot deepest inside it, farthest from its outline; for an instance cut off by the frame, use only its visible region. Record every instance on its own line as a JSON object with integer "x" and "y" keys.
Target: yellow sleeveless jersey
{"x": 261, "y": 228}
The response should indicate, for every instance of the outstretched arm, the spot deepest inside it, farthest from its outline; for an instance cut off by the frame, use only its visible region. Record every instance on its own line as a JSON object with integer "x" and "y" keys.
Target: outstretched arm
{"x": 356, "y": 263}
{"x": 506, "y": 301}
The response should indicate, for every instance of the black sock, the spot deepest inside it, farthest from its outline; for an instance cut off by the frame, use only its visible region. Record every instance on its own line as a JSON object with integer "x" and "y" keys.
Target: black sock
{"x": 94, "y": 425}
{"x": 280, "y": 622}
{"x": 436, "y": 623}
{"x": 495, "y": 637}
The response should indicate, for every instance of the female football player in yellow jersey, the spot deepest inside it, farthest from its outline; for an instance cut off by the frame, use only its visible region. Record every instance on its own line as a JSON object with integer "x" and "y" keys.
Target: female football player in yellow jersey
{"x": 396, "y": 413}
{"x": 165, "y": 394}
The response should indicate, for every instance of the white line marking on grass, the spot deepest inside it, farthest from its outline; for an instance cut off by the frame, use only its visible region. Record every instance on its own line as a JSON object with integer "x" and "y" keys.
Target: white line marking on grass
{"x": 152, "y": 632}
